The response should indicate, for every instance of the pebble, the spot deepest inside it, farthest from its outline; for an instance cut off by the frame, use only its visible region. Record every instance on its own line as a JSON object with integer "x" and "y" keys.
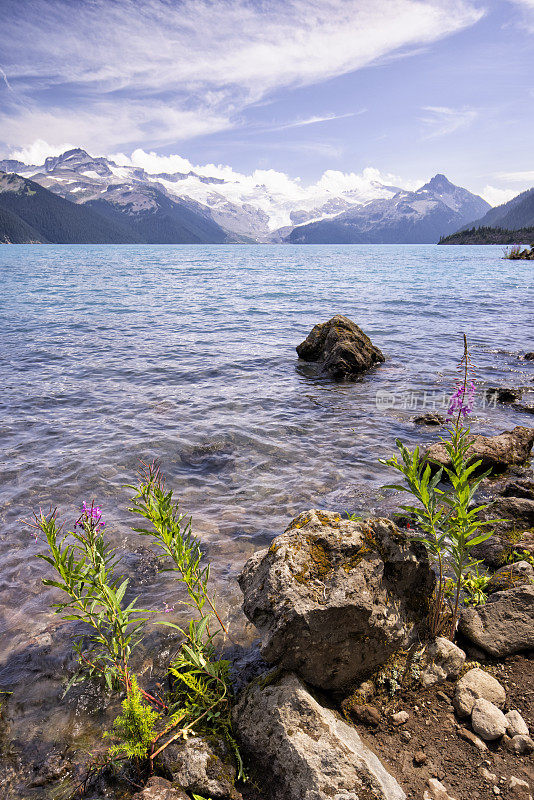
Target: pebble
{"x": 487, "y": 775}
{"x": 472, "y": 738}
{"x": 400, "y": 717}
{"x": 406, "y": 736}
{"x": 436, "y": 791}
{"x": 420, "y": 758}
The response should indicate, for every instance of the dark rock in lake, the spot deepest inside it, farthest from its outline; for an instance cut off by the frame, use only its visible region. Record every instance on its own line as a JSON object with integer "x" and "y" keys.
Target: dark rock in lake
{"x": 496, "y": 453}
{"x": 307, "y": 752}
{"x": 503, "y": 626}
{"x": 430, "y": 418}
{"x": 528, "y": 357}
{"x": 334, "y": 598}
{"x": 503, "y": 394}
{"x": 523, "y": 407}
{"x": 343, "y": 348}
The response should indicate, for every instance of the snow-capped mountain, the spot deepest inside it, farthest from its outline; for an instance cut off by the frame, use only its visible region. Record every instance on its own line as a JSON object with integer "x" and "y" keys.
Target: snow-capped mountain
{"x": 249, "y": 206}
{"x": 264, "y": 206}
{"x": 419, "y": 217}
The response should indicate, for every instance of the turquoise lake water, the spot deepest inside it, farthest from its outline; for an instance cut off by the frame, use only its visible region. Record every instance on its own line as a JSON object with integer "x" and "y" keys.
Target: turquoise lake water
{"x": 186, "y": 354}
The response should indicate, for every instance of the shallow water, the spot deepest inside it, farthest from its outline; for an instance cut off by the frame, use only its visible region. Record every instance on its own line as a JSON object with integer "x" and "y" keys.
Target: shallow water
{"x": 111, "y": 354}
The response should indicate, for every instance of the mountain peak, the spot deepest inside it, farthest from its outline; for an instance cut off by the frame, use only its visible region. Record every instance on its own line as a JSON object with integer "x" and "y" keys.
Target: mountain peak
{"x": 439, "y": 183}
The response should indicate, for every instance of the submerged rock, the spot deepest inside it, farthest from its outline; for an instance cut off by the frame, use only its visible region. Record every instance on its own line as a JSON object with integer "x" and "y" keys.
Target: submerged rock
{"x": 306, "y": 751}
{"x": 160, "y": 789}
{"x": 504, "y": 625}
{"x": 504, "y": 394}
{"x": 334, "y": 598}
{"x": 496, "y": 453}
{"x": 345, "y": 350}
{"x": 430, "y": 418}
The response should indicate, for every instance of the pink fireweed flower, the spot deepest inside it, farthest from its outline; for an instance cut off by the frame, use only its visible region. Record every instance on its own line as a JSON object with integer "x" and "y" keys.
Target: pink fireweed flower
{"x": 90, "y": 514}
{"x": 167, "y": 609}
{"x": 461, "y": 402}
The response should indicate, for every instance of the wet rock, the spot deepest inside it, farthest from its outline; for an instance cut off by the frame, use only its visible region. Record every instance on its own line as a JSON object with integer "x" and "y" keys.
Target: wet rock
{"x": 525, "y": 408}
{"x": 305, "y": 750}
{"x": 496, "y": 453}
{"x": 474, "y": 685}
{"x": 528, "y": 357}
{"x": 487, "y": 720}
{"x": 201, "y": 767}
{"x": 521, "y": 745}
{"x": 442, "y": 660}
{"x": 430, "y": 418}
{"x": 520, "y": 573}
{"x": 436, "y": 791}
{"x": 160, "y": 789}
{"x": 504, "y": 625}
{"x": 515, "y": 724}
{"x": 519, "y": 487}
{"x": 342, "y": 346}
{"x": 334, "y": 598}
{"x": 503, "y": 394}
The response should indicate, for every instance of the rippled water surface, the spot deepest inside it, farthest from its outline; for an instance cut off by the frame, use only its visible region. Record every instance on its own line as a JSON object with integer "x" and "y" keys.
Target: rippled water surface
{"x": 111, "y": 354}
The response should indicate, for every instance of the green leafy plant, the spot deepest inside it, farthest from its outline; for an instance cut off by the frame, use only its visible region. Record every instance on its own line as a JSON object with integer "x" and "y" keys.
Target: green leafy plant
{"x": 519, "y": 555}
{"x": 85, "y": 565}
{"x": 135, "y": 727}
{"x": 474, "y": 584}
{"x": 448, "y": 525}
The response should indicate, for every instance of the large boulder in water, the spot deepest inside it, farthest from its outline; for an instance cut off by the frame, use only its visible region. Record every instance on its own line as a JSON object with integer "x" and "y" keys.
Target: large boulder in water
{"x": 334, "y": 598}
{"x": 307, "y": 752}
{"x": 496, "y": 453}
{"x": 342, "y": 346}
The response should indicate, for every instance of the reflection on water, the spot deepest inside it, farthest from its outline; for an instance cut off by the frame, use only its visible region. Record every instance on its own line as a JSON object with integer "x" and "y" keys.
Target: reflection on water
{"x": 187, "y": 355}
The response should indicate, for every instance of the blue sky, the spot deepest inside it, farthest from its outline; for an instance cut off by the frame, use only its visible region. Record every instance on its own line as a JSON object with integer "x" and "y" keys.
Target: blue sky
{"x": 406, "y": 87}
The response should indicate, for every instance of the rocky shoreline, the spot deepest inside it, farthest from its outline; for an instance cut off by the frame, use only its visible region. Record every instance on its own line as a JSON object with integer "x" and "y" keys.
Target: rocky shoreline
{"x": 347, "y": 695}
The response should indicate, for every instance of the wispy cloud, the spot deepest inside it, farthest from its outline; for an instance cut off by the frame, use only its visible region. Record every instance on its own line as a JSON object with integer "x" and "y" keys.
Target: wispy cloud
{"x": 527, "y": 7}
{"x": 106, "y": 74}
{"x": 521, "y": 177}
{"x": 496, "y": 196}
{"x": 441, "y": 121}
{"x": 301, "y": 123}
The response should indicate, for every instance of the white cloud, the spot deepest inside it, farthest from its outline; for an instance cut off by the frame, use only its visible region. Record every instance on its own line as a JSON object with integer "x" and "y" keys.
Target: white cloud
{"x": 496, "y": 197}
{"x": 443, "y": 120}
{"x": 193, "y": 66}
{"x": 38, "y": 151}
{"x": 527, "y": 6}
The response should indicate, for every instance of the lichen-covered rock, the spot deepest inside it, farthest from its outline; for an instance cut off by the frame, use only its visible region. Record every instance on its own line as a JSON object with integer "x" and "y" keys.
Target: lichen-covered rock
{"x": 504, "y": 625}
{"x": 474, "y": 685}
{"x": 441, "y": 660}
{"x": 160, "y": 789}
{"x": 342, "y": 346}
{"x": 201, "y": 767}
{"x": 496, "y": 453}
{"x": 334, "y": 598}
{"x": 307, "y": 752}
{"x": 520, "y": 573}
{"x": 487, "y": 720}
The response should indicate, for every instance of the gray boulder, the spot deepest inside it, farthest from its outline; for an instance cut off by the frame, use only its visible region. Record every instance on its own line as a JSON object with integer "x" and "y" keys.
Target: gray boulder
{"x": 521, "y": 745}
{"x": 496, "y": 453}
{"x": 442, "y": 660}
{"x": 306, "y": 751}
{"x": 474, "y": 685}
{"x": 515, "y": 724}
{"x": 504, "y": 625}
{"x": 333, "y": 598}
{"x": 342, "y": 346}
{"x": 201, "y": 767}
{"x": 487, "y": 720}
